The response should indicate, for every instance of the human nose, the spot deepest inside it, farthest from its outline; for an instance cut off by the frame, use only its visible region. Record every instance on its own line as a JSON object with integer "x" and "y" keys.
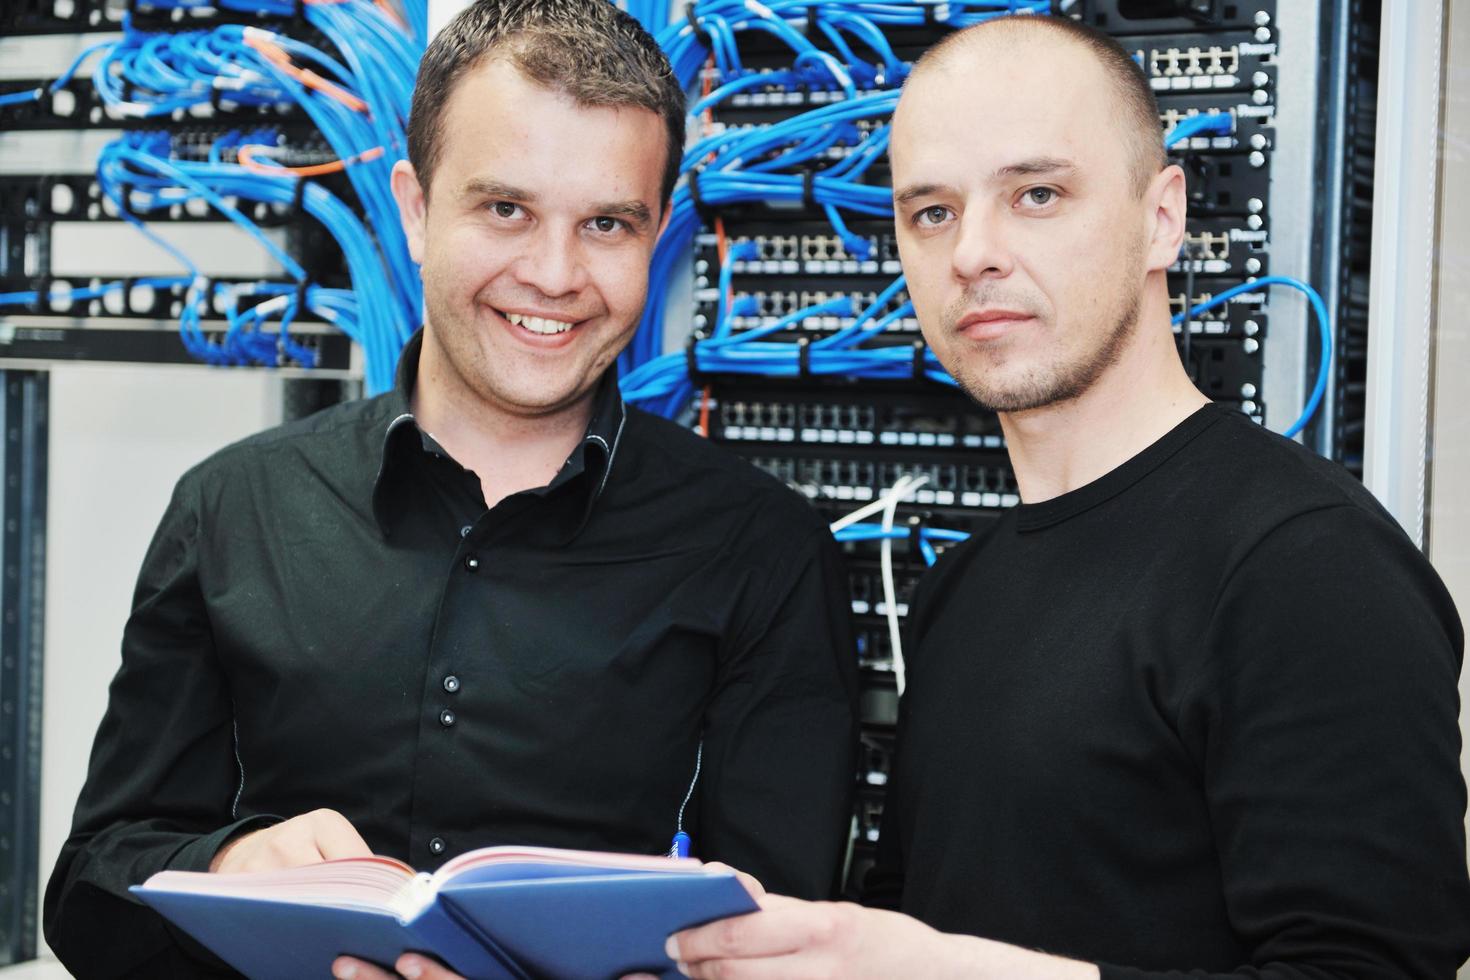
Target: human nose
{"x": 980, "y": 250}
{"x": 552, "y": 263}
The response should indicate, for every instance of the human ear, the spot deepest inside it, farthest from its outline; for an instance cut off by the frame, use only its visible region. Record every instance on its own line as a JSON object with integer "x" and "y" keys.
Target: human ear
{"x": 412, "y": 206}
{"x": 1166, "y": 205}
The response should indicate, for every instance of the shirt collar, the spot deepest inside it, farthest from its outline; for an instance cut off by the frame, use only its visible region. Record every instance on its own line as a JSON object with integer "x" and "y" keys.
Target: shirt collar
{"x": 584, "y": 473}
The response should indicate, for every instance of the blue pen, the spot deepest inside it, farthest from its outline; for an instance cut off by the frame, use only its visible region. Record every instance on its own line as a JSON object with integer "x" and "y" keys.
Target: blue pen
{"x": 680, "y": 848}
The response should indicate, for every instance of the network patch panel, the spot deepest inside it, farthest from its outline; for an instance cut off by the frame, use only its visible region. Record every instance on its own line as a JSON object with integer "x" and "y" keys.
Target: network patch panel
{"x": 139, "y": 340}
{"x": 874, "y": 651}
{"x": 1228, "y": 372}
{"x": 806, "y": 248}
{"x": 763, "y": 309}
{"x": 30, "y": 17}
{"x": 837, "y": 476}
{"x": 1242, "y": 316}
{"x": 1183, "y": 62}
{"x": 864, "y": 581}
{"x": 1206, "y": 17}
{"x": 1249, "y": 125}
{"x": 934, "y": 422}
{"x": 1227, "y": 184}
{"x": 875, "y": 763}
{"x": 1220, "y": 246}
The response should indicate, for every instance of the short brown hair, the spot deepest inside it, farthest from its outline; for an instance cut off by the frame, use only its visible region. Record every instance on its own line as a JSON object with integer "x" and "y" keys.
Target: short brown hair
{"x": 589, "y": 49}
{"x": 1140, "y": 110}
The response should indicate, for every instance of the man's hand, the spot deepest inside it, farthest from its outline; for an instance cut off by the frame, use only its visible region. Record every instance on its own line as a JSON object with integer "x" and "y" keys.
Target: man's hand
{"x": 751, "y": 882}
{"x": 410, "y": 965}
{"x": 795, "y": 940}
{"x": 321, "y": 835}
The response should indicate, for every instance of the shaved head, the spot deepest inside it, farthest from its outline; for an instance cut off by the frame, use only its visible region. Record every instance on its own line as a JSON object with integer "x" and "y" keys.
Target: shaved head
{"x": 1137, "y": 111}
{"x": 1034, "y": 210}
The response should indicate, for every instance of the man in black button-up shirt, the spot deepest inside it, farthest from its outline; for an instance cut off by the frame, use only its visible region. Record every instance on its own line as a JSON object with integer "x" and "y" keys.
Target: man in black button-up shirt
{"x": 493, "y": 605}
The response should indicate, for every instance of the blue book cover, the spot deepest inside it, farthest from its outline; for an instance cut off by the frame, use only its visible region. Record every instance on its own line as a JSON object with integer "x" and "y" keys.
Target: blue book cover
{"x": 496, "y": 914}
{"x": 588, "y": 928}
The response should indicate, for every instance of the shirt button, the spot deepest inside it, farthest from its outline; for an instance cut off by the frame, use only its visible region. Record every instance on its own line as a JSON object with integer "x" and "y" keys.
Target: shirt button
{"x": 446, "y": 718}
{"x": 464, "y": 532}
{"x": 451, "y": 683}
{"x": 436, "y": 845}
{"x": 471, "y": 563}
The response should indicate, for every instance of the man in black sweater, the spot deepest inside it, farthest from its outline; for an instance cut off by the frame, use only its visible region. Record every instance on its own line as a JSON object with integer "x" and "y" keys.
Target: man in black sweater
{"x": 1191, "y": 708}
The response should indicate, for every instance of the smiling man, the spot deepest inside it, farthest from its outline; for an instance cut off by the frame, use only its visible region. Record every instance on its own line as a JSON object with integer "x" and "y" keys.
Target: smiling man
{"x": 494, "y": 605}
{"x": 1190, "y": 709}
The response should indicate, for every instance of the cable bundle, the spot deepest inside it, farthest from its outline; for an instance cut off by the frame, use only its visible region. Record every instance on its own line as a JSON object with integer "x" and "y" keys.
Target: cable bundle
{"x": 710, "y": 26}
{"x": 142, "y": 173}
{"x": 357, "y": 98}
{"x": 791, "y": 161}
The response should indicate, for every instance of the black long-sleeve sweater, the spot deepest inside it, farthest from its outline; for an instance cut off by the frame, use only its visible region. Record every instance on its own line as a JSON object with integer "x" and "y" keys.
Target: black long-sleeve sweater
{"x": 1199, "y": 715}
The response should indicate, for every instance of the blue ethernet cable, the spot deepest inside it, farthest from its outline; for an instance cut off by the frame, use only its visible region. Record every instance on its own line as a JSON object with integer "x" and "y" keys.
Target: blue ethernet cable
{"x": 1203, "y": 124}
{"x": 139, "y": 165}
{"x": 175, "y": 70}
{"x": 1324, "y": 333}
{"x": 926, "y": 536}
{"x": 711, "y": 24}
{"x": 36, "y": 94}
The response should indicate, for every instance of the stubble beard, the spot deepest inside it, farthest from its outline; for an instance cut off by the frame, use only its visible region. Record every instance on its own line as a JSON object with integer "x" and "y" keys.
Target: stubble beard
{"x": 1047, "y": 384}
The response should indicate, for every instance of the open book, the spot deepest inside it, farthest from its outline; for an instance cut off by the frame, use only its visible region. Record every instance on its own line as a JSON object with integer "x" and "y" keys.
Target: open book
{"x": 517, "y": 912}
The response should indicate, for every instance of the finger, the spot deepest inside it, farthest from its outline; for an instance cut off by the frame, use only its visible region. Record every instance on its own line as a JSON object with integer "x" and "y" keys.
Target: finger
{"x": 416, "y": 967}
{"x": 784, "y": 925}
{"x": 276, "y": 848}
{"x": 774, "y": 968}
{"x": 348, "y": 968}
{"x": 751, "y": 883}
{"x": 335, "y": 837}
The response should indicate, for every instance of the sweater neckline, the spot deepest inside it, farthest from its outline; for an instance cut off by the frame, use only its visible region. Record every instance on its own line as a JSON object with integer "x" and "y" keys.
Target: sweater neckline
{"x": 1034, "y": 517}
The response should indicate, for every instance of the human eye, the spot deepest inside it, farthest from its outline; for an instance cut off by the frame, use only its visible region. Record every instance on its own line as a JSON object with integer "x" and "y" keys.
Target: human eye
{"x": 1039, "y": 198}
{"x": 606, "y": 225}
{"x": 930, "y": 217}
{"x": 505, "y": 209}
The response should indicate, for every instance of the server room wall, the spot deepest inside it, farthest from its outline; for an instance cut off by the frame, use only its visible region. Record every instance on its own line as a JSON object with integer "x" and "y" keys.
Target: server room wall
{"x": 121, "y": 435}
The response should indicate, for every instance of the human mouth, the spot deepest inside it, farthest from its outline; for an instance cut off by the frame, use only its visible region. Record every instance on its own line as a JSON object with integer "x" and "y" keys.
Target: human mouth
{"x": 991, "y": 324}
{"x": 545, "y": 326}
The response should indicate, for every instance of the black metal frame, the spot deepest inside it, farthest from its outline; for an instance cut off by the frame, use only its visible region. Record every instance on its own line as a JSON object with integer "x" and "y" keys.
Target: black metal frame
{"x": 22, "y": 621}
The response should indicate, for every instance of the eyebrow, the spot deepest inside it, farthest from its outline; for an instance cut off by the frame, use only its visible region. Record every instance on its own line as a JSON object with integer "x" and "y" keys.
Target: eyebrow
{"x": 636, "y": 212}
{"x": 1034, "y": 167}
{"x": 482, "y": 187}
{"x": 913, "y": 191}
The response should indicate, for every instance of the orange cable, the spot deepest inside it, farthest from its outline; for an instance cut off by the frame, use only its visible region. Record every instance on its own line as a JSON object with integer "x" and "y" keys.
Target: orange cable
{"x": 391, "y": 13}
{"x": 306, "y": 76}
{"x": 246, "y": 156}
